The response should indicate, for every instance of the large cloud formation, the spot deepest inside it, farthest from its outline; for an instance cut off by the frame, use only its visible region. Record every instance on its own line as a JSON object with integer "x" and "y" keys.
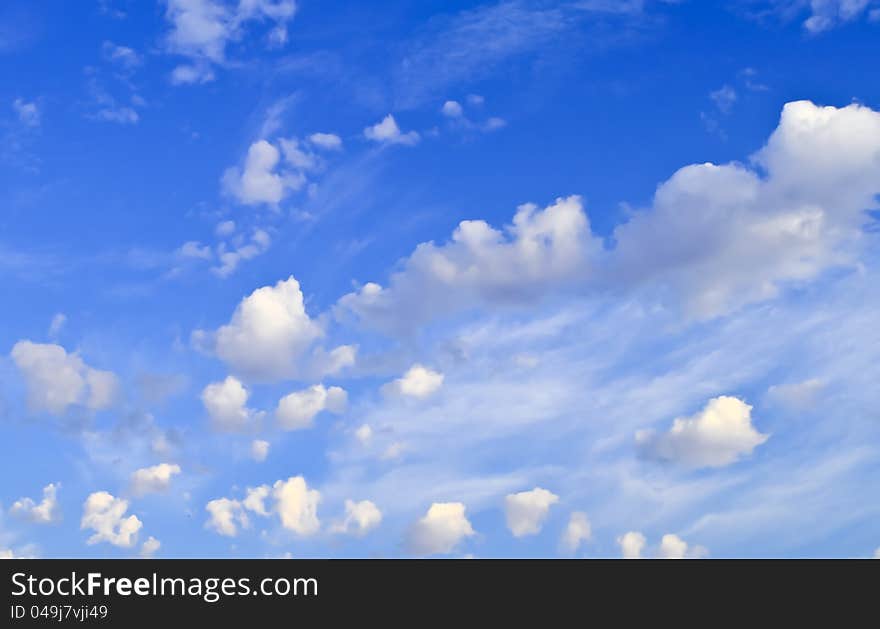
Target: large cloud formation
{"x": 57, "y": 380}
{"x": 716, "y": 237}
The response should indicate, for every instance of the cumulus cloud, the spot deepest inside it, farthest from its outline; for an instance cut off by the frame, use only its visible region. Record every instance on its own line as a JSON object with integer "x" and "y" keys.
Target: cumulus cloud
{"x": 226, "y": 403}
{"x": 418, "y": 382}
{"x": 631, "y": 545}
{"x": 56, "y": 380}
{"x": 261, "y": 180}
{"x": 577, "y": 531}
{"x": 269, "y": 335}
{"x": 154, "y": 479}
{"x": 526, "y": 511}
{"x": 297, "y": 410}
{"x": 718, "y": 435}
{"x": 387, "y": 132}
{"x": 720, "y": 237}
{"x": 201, "y": 31}
{"x": 150, "y": 547}
{"x": 44, "y": 512}
{"x": 360, "y": 518}
{"x": 230, "y": 257}
{"x": 226, "y": 516}
{"x": 440, "y": 530}
{"x": 259, "y": 450}
{"x": 673, "y": 547}
{"x": 105, "y": 514}
{"x": 297, "y": 505}
{"x": 541, "y": 251}
{"x": 255, "y": 499}
{"x": 326, "y": 141}
{"x": 452, "y": 109}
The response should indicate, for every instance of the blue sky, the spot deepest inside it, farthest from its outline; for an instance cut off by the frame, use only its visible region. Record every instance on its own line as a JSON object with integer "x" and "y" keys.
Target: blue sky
{"x": 490, "y": 279}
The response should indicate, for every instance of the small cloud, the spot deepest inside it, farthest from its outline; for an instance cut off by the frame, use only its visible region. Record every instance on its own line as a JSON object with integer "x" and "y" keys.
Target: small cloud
{"x": 326, "y": 141}
{"x": 28, "y": 113}
{"x": 418, "y": 382}
{"x": 724, "y": 98}
{"x": 526, "y": 511}
{"x": 452, "y": 109}
{"x": 387, "y": 132}
{"x": 44, "y": 512}
{"x": 259, "y": 450}
{"x": 58, "y": 322}
{"x": 440, "y": 531}
{"x": 150, "y": 546}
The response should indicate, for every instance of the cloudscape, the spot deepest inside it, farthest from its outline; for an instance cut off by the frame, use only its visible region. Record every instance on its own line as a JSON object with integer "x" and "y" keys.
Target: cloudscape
{"x": 485, "y": 279}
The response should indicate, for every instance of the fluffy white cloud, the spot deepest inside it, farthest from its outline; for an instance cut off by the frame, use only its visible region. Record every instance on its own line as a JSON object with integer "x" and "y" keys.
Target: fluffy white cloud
{"x": 28, "y": 113}
{"x": 201, "y": 30}
{"x": 631, "y": 544}
{"x": 577, "y": 531}
{"x": 150, "y": 547}
{"x": 269, "y": 334}
{"x": 226, "y": 403}
{"x": 526, "y": 511}
{"x": 364, "y": 434}
{"x": 418, "y": 381}
{"x": 105, "y": 514}
{"x": 259, "y": 450}
{"x": 230, "y": 257}
{"x": 261, "y": 180}
{"x": 826, "y": 14}
{"x": 226, "y": 516}
{"x": 716, "y": 436}
{"x": 297, "y": 410}
{"x": 57, "y": 380}
{"x": 44, "y": 512}
{"x": 360, "y": 518}
{"x": 543, "y": 250}
{"x": 255, "y": 500}
{"x": 297, "y": 505}
{"x": 387, "y": 132}
{"x": 720, "y": 237}
{"x": 326, "y": 141}
{"x": 154, "y": 479}
{"x": 441, "y": 529}
{"x": 452, "y": 109}
{"x": 673, "y": 547}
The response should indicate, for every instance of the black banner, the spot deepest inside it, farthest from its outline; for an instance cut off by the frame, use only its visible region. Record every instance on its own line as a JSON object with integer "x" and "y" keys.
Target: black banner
{"x": 134, "y": 593}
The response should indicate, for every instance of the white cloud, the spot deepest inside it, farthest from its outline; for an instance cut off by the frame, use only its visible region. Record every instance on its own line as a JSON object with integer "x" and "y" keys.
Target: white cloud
{"x": 541, "y": 251}
{"x": 230, "y": 258}
{"x": 297, "y": 505}
{"x": 226, "y": 403}
{"x": 269, "y": 334}
{"x": 226, "y": 516}
{"x": 119, "y": 115}
{"x": 123, "y": 56}
{"x": 105, "y": 514}
{"x": 259, "y": 450}
{"x": 57, "y": 380}
{"x": 387, "y": 132}
{"x": 201, "y": 30}
{"x": 225, "y": 228}
{"x": 255, "y": 500}
{"x": 57, "y": 323}
{"x": 28, "y": 113}
{"x": 418, "y": 382}
{"x": 154, "y": 479}
{"x": 195, "y": 249}
{"x": 452, "y": 109}
{"x": 720, "y": 237}
{"x": 150, "y": 547}
{"x": 297, "y": 410}
{"x": 631, "y": 544}
{"x": 526, "y": 511}
{"x": 673, "y": 547}
{"x": 360, "y": 518}
{"x": 724, "y": 98}
{"x": 718, "y": 435}
{"x": 441, "y": 529}
{"x": 826, "y": 14}
{"x": 577, "y": 531}
{"x": 326, "y": 141}
{"x": 796, "y": 395}
{"x": 877, "y": 553}
{"x": 44, "y": 512}
{"x": 364, "y": 434}
{"x": 261, "y": 180}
